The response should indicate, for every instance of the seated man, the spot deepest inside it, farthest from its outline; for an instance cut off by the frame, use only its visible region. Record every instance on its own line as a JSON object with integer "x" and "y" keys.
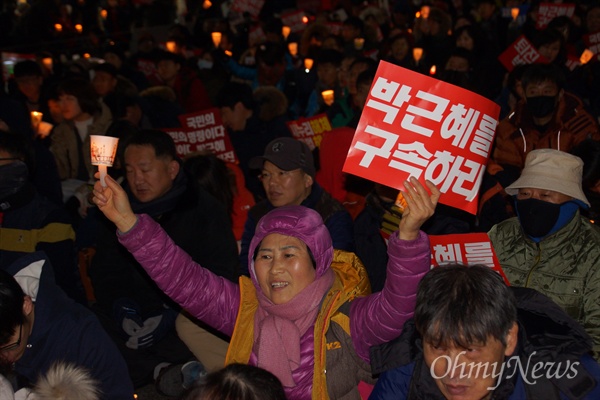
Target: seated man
{"x": 40, "y": 325}
{"x": 288, "y": 177}
{"x": 473, "y": 337}
{"x": 550, "y": 247}
{"x": 133, "y": 308}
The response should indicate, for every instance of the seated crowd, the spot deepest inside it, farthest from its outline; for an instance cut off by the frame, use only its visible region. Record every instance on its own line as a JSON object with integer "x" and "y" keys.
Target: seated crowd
{"x": 274, "y": 274}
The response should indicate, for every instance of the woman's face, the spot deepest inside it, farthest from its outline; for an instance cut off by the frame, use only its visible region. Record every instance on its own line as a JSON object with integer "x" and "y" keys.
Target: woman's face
{"x": 399, "y": 48}
{"x": 283, "y": 267}
{"x": 465, "y": 41}
{"x": 550, "y": 50}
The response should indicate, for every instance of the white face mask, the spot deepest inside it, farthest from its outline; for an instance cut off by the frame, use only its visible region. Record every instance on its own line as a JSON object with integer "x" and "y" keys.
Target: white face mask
{"x": 205, "y": 64}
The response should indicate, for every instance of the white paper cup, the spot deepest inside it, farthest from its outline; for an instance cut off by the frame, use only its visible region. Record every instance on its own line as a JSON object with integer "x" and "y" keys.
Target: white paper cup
{"x": 103, "y": 150}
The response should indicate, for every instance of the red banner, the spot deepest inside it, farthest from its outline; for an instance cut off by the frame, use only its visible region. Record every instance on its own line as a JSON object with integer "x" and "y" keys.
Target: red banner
{"x": 293, "y": 19}
{"x": 414, "y": 125}
{"x": 592, "y": 41}
{"x": 521, "y": 52}
{"x": 256, "y": 35}
{"x": 548, "y": 11}
{"x": 310, "y": 130}
{"x": 252, "y": 7}
{"x": 203, "y": 130}
{"x": 467, "y": 249}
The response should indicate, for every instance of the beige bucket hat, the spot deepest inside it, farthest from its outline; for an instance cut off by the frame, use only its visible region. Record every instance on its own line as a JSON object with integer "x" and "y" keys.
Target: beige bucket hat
{"x": 551, "y": 170}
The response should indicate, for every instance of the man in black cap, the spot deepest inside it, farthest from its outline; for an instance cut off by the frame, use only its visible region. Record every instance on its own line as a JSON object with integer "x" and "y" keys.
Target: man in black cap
{"x": 288, "y": 177}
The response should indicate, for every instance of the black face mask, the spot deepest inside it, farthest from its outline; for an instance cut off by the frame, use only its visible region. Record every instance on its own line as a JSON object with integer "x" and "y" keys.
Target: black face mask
{"x": 537, "y": 217}
{"x": 12, "y": 178}
{"x": 541, "y": 106}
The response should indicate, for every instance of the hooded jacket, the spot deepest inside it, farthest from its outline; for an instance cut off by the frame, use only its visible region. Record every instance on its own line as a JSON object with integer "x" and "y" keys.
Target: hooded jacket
{"x": 66, "y": 331}
{"x": 226, "y": 306}
{"x": 547, "y": 336}
{"x": 565, "y": 266}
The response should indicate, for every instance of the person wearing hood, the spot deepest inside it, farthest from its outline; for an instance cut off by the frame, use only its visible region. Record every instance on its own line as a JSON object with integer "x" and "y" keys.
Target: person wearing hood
{"x": 549, "y": 246}
{"x": 40, "y": 326}
{"x": 305, "y": 313}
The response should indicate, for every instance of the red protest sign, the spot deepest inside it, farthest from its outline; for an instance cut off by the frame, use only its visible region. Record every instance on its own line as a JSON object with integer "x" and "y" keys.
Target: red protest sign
{"x": 252, "y": 7}
{"x": 548, "y": 11}
{"x": 467, "y": 249}
{"x": 203, "y": 130}
{"x": 414, "y": 125}
{"x": 520, "y": 52}
{"x": 592, "y": 41}
{"x": 310, "y": 130}
{"x": 293, "y": 19}
{"x": 256, "y": 35}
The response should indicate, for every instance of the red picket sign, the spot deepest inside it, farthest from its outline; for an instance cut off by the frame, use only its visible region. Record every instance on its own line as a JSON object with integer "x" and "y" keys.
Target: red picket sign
{"x": 252, "y": 7}
{"x": 310, "y": 130}
{"x": 548, "y": 11}
{"x": 521, "y": 52}
{"x": 592, "y": 41}
{"x": 467, "y": 249}
{"x": 414, "y": 125}
{"x": 203, "y": 130}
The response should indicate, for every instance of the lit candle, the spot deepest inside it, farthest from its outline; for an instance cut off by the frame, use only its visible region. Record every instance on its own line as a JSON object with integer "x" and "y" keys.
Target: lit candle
{"x": 103, "y": 13}
{"x": 432, "y": 70}
{"x": 78, "y": 28}
{"x": 47, "y": 62}
{"x": 417, "y": 54}
{"x": 328, "y": 97}
{"x": 206, "y": 5}
{"x": 293, "y": 48}
{"x": 425, "y": 12}
{"x": 216, "y": 38}
{"x": 418, "y": 14}
{"x": 36, "y": 118}
{"x": 285, "y": 31}
{"x": 586, "y": 56}
{"x": 305, "y": 19}
{"x": 359, "y": 43}
{"x": 171, "y": 46}
{"x": 308, "y": 63}
{"x": 58, "y": 27}
{"x": 514, "y": 13}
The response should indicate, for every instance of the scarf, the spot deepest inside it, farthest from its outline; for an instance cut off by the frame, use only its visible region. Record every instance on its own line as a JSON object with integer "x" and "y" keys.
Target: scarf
{"x": 163, "y": 204}
{"x": 279, "y": 327}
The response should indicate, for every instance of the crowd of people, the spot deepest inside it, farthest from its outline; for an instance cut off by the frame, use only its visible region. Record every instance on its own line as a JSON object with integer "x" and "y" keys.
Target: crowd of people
{"x": 305, "y": 281}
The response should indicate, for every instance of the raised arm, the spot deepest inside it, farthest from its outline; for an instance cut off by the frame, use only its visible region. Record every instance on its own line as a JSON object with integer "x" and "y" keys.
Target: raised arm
{"x": 379, "y": 318}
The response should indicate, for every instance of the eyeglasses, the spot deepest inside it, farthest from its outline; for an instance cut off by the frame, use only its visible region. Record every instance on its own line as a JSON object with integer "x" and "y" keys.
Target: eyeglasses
{"x": 12, "y": 346}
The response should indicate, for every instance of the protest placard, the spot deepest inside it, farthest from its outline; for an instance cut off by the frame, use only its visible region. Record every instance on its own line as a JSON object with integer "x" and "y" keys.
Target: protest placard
{"x": 592, "y": 41}
{"x": 465, "y": 248}
{"x": 203, "y": 130}
{"x": 548, "y": 11}
{"x": 252, "y": 7}
{"x": 414, "y": 125}
{"x": 310, "y": 130}
{"x": 294, "y": 19}
{"x": 520, "y": 52}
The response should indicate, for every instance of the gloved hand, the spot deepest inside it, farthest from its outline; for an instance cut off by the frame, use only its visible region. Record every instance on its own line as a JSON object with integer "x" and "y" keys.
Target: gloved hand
{"x": 150, "y": 331}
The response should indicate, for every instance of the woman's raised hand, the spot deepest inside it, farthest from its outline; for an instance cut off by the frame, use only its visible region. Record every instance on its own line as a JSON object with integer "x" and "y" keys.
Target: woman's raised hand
{"x": 421, "y": 206}
{"x": 113, "y": 202}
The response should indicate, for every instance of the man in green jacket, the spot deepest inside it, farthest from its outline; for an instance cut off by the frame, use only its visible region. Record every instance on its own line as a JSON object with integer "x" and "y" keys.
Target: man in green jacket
{"x": 549, "y": 246}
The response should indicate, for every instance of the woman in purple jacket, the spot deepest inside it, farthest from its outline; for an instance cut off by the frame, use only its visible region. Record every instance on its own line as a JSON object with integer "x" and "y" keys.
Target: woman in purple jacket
{"x": 305, "y": 314}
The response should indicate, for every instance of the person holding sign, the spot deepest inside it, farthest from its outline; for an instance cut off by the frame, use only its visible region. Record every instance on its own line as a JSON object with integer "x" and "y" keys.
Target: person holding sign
{"x": 473, "y": 337}
{"x": 550, "y": 247}
{"x": 304, "y": 314}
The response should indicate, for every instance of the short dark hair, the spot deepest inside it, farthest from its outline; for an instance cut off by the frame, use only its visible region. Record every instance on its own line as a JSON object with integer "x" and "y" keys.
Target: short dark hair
{"x": 538, "y": 73}
{"x": 464, "y": 305}
{"x": 236, "y": 92}
{"x": 83, "y": 90}
{"x": 161, "y": 142}
{"x": 239, "y": 382}
{"x": 366, "y": 77}
{"x": 163, "y": 55}
{"x": 106, "y": 67}
{"x": 11, "y": 306}
{"x": 270, "y": 53}
{"x": 27, "y": 68}
{"x": 18, "y": 146}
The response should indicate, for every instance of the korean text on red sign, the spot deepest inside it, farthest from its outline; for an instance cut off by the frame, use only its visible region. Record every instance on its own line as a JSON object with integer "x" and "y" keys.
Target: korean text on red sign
{"x": 548, "y": 11}
{"x": 310, "y": 130}
{"x": 520, "y": 52}
{"x": 203, "y": 130}
{"x": 252, "y": 7}
{"x": 414, "y": 125}
{"x": 294, "y": 19}
{"x": 466, "y": 249}
{"x": 592, "y": 41}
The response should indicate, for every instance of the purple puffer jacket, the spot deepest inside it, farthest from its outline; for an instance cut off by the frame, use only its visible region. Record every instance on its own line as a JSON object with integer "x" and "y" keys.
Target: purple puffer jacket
{"x": 374, "y": 319}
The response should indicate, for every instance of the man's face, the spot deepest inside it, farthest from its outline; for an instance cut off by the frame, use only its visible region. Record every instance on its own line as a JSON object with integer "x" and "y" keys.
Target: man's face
{"x": 546, "y": 88}
{"x": 148, "y": 177}
{"x": 466, "y": 374}
{"x": 327, "y": 74}
{"x": 104, "y": 83}
{"x": 16, "y": 345}
{"x": 285, "y": 188}
{"x": 69, "y": 106}
{"x": 30, "y": 86}
{"x": 167, "y": 70}
{"x": 550, "y": 50}
{"x": 235, "y": 118}
{"x": 549, "y": 196}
